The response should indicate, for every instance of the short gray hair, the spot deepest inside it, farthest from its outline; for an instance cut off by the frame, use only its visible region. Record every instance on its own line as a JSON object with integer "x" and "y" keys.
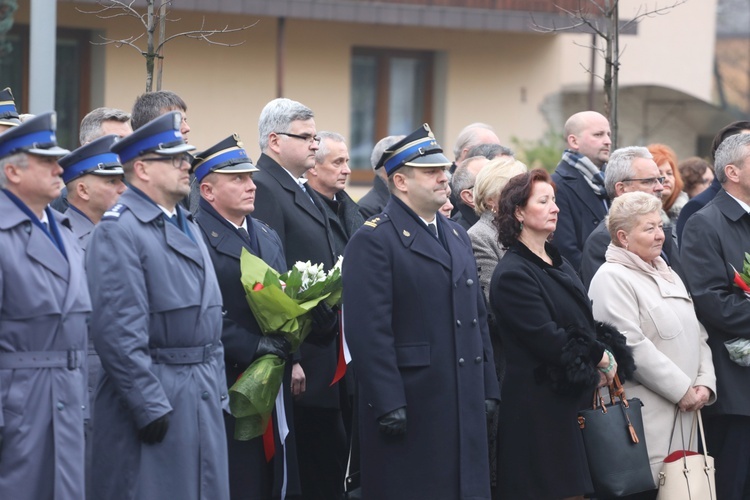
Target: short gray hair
{"x": 492, "y": 179}
{"x": 277, "y": 116}
{"x": 463, "y": 178}
{"x": 468, "y": 137}
{"x": 489, "y": 151}
{"x": 627, "y": 208}
{"x": 620, "y": 166}
{"x": 322, "y": 152}
{"x": 381, "y": 146}
{"x": 19, "y": 159}
{"x": 732, "y": 151}
{"x": 91, "y": 125}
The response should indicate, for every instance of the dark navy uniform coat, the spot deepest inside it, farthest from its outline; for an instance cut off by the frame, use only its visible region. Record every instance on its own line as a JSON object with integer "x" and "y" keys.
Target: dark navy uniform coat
{"x": 153, "y": 288}
{"x": 417, "y": 329}
{"x": 248, "y": 472}
{"x": 44, "y": 306}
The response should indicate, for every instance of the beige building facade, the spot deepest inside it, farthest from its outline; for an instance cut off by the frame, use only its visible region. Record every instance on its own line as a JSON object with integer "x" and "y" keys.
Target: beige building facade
{"x": 370, "y": 73}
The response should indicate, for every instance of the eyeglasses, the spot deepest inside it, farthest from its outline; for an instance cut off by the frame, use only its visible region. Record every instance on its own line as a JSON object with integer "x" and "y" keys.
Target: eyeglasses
{"x": 176, "y": 160}
{"x": 309, "y": 139}
{"x": 650, "y": 181}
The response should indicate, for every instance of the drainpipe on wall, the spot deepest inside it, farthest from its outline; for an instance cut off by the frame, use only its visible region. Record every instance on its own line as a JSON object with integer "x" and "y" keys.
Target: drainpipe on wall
{"x": 43, "y": 37}
{"x": 280, "y": 39}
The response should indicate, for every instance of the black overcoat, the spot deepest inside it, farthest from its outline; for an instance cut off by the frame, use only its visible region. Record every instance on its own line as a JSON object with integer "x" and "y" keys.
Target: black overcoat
{"x": 415, "y": 319}
{"x": 580, "y": 212}
{"x": 715, "y": 240}
{"x": 305, "y": 235}
{"x": 537, "y": 307}
{"x": 249, "y": 476}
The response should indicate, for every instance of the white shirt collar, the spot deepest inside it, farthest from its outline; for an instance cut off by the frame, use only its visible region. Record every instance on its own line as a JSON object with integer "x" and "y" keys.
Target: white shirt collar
{"x": 167, "y": 212}
{"x": 243, "y": 225}
{"x": 44, "y": 219}
{"x": 744, "y": 205}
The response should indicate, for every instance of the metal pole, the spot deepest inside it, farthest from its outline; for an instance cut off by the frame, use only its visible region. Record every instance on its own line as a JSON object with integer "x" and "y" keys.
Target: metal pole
{"x": 43, "y": 39}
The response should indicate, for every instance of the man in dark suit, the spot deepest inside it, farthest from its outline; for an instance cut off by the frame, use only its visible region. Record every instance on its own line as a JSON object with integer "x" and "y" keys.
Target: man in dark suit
{"x": 580, "y": 194}
{"x": 713, "y": 246}
{"x": 288, "y": 140}
{"x": 417, "y": 328}
{"x": 629, "y": 169}
{"x": 224, "y": 173}
{"x": 692, "y": 206}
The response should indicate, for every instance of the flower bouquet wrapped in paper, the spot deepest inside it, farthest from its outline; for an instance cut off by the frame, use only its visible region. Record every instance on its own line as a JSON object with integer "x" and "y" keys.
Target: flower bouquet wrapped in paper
{"x": 739, "y": 348}
{"x": 281, "y": 305}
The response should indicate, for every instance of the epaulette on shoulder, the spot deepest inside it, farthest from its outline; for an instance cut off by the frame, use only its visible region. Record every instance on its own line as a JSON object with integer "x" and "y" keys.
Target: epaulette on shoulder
{"x": 376, "y": 220}
{"x": 115, "y": 212}
{"x": 265, "y": 227}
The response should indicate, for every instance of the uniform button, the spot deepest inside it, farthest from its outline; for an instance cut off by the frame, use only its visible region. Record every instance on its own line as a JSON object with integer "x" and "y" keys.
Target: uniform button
{"x": 474, "y": 321}
{"x": 223, "y": 397}
{"x": 460, "y": 361}
{"x": 478, "y": 359}
{"x": 469, "y": 282}
{"x": 204, "y": 396}
{"x": 60, "y": 405}
{"x": 458, "y": 322}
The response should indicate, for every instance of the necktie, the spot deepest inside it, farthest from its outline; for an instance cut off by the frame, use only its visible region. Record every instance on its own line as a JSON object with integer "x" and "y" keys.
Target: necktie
{"x": 433, "y": 229}
{"x": 245, "y": 235}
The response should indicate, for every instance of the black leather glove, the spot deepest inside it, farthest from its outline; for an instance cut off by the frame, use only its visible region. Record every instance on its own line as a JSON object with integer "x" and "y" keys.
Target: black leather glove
{"x": 394, "y": 423}
{"x": 490, "y": 410}
{"x": 273, "y": 344}
{"x": 155, "y": 431}
{"x": 324, "y": 325}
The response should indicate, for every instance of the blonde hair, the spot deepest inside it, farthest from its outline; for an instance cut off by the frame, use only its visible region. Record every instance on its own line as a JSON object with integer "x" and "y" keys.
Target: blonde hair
{"x": 492, "y": 179}
{"x": 627, "y": 208}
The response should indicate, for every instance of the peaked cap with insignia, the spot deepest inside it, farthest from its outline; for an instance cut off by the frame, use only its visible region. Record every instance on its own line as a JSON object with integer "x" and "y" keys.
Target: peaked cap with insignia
{"x": 418, "y": 149}
{"x": 226, "y": 157}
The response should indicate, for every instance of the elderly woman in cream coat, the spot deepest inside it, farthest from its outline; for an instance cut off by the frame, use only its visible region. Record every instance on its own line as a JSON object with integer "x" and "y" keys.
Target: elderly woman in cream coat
{"x": 637, "y": 292}
{"x": 489, "y": 183}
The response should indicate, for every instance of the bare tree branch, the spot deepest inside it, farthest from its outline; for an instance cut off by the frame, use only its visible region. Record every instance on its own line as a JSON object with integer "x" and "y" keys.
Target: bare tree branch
{"x": 126, "y": 8}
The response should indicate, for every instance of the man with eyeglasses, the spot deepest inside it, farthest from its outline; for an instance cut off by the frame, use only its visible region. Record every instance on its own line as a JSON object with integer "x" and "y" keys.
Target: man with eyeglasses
{"x": 156, "y": 325}
{"x": 629, "y": 169}
{"x": 289, "y": 141}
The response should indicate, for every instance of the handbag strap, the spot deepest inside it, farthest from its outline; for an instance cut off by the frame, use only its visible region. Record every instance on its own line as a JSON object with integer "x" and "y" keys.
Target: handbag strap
{"x": 703, "y": 434}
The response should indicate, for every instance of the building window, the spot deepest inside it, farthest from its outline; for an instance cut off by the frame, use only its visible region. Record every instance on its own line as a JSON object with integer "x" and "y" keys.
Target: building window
{"x": 72, "y": 80}
{"x": 391, "y": 94}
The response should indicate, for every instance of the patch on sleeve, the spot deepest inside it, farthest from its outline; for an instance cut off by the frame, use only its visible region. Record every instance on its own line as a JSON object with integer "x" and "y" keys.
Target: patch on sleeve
{"x": 115, "y": 212}
{"x": 372, "y": 221}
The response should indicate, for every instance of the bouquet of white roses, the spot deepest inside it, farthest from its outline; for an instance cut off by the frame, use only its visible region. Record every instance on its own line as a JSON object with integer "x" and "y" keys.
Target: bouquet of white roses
{"x": 281, "y": 305}
{"x": 739, "y": 348}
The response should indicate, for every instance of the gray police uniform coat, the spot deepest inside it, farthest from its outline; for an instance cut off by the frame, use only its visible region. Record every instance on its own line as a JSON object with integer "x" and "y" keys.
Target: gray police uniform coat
{"x": 81, "y": 225}
{"x": 157, "y": 328}
{"x": 44, "y": 306}
{"x": 416, "y": 325}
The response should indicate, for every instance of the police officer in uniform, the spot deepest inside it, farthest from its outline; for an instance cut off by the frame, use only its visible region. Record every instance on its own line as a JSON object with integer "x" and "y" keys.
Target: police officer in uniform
{"x": 156, "y": 325}
{"x": 93, "y": 176}
{"x": 44, "y": 306}
{"x": 224, "y": 173}
{"x": 416, "y": 324}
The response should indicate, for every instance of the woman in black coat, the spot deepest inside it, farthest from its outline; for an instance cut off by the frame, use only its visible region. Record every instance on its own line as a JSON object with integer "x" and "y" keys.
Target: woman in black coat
{"x": 555, "y": 356}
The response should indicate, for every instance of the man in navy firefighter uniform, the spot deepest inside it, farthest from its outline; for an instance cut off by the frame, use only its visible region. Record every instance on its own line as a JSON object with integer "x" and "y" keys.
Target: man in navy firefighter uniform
{"x": 44, "y": 306}
{"x": 416, "y": 324}
{"x": 224, "y": 173}
{"x": 156, "y": 325}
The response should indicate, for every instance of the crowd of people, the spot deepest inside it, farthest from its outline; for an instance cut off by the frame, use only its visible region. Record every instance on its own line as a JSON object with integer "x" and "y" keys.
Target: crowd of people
{"x": 483, "y": 303}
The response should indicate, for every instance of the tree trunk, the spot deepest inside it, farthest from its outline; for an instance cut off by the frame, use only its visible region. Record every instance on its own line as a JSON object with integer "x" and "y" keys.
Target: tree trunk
{"x": 615, "y": 40}
{"x": 150, "y": 47}
{"x": 162, "y": 35}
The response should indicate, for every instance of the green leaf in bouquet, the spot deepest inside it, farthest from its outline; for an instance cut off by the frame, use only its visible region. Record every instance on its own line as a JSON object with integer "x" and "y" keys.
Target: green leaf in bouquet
{"x": 272, "y": 278}
{"x": 334, "y": 299}
{"x": 293, "y": 283}
{"x": 253, "y": 269}
{"x": 312, "y": 291}
{"x": 252, "y": 397}
{"x": 272, "y": 308}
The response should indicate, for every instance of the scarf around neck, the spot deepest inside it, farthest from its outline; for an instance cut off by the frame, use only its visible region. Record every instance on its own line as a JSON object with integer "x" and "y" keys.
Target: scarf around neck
{"x": 593, "y": 176}
{"x": 625, "y": 258}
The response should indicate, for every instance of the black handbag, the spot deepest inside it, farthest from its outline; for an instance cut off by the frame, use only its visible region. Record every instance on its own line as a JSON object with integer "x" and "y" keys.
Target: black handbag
{"x": 616, "y": 444}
